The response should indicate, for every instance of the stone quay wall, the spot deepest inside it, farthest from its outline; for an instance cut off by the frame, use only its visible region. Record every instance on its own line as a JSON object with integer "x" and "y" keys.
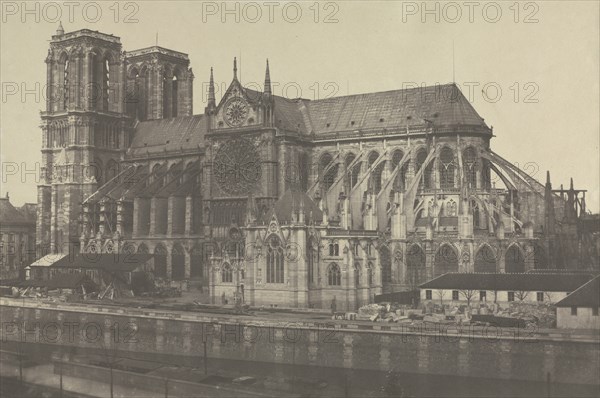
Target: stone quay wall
{"x": 484, "y": 352}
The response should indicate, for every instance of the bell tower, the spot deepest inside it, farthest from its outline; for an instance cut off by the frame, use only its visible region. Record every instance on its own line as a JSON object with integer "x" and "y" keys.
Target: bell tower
{"x": 159, "y": 84}
{"x": 85, "y": 130}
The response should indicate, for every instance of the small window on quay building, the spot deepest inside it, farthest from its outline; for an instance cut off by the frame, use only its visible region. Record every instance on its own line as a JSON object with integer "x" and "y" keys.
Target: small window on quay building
{"x": 511, "y": 296}
{"x": 455, "y": 295}
{"x": 573, "y": 310}
{"x": 482, "y": 295}
{"x": 427, "y": 294}
{"x": 540, "y": 296}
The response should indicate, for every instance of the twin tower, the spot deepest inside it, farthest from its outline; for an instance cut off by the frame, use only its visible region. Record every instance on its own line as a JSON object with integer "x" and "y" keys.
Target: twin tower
{"x": 96, "y": 92}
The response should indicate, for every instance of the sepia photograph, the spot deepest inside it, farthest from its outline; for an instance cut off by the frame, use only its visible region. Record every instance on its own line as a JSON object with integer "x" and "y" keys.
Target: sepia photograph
{"x": 300, "y": 199}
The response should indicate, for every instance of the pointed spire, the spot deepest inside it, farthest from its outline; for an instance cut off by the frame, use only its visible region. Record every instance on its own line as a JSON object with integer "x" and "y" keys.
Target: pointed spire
{"x": 267, "y": 80}
{"x": 571, "y": 183}
{"x": 235, "y": 68}
{"x": 211, "y": 88}
{"x": 548, "y": 177}
{"x": 60, "y": 31}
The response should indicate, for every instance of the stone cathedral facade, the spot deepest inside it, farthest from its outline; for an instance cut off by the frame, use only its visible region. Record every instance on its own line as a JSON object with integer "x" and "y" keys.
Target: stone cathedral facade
{"x": 291, "y": 201}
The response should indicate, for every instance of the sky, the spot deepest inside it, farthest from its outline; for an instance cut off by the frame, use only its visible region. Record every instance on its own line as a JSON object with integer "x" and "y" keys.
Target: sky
{"x": 531, "y": 69}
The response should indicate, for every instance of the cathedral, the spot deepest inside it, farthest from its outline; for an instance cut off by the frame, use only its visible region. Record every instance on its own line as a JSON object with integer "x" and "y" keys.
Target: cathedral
{"x": 288, "y": 202}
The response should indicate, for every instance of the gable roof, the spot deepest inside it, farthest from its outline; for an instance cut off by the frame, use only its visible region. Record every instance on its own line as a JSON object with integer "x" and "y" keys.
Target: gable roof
{"x": 587, "y": 295}
{"x": 173, "y": 134}
{"x": 11, "y": 215}
{"x": 508, "y": 282}
{"x": 290, "y": 203}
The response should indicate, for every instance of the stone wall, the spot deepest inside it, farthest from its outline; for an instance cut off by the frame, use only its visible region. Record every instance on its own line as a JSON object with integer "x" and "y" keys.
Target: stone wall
{"x": 584, "y": 319}
{"x": 516, "y": 355}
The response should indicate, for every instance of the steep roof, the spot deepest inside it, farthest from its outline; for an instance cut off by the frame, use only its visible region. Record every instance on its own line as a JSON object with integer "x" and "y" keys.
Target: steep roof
{"x": 11, "y": 215}
{"x": 289, "y": 203}
{"x": 508, "y": 282}
{"x": 29, "y": 211}
{"x": 288, "y": 112}
{"x": 439, "y": 106}
{"x": 442, "y": 105}
{"x": 155, "y": 136}
{"x": 587, "y": 295}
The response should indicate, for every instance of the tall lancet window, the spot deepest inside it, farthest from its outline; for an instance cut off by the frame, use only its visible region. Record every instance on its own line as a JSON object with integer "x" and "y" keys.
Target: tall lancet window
{"x": 105, "y": 84}
{"x": 66, "y": 84}
{"x": 275, "y": 265}
{"x": 446, "y": 165}
{"x": 469, "y": 167}
{"x": 419, "y": 162}
{"x": 174, "y": 96}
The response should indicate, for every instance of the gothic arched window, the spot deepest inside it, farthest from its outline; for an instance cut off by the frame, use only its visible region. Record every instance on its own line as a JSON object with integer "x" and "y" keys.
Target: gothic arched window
{"x": 373, "y": 157}
{"x": 174, "y": 95}
{"x": 469, "y": 167}
{"x": 105, "y": 84}
{"x": 226, "y": 273}
{"x": 334, "y": 275}
{"x": 66, "y": 84}
{"x": 419, "y": 162}
{"x": 334, "y": 249}
{"x": 446, "y": 166}
{"x": 396, "y": 158}
{"x": 377, "y": 177}
{"x": 450, "y": 210}
{"x": 275, "y": 263}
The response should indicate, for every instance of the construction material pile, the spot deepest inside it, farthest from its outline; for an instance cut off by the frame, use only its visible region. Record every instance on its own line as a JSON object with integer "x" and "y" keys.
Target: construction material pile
{"x": 480, "y": 314}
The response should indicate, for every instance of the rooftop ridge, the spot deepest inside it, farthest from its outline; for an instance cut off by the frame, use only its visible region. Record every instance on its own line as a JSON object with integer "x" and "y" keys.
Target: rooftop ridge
{"x": 156, "y": 49}
{"x": 299, "y": 99}
{"x": 89, "y": 33}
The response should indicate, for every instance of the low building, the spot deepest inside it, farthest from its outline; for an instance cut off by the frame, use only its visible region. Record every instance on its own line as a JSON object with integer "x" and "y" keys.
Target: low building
{"x": 468, "y": 288}
{"x": 17, "y": 238}
{"x": 579, "y": 310}
{"x": 99, "y": 268}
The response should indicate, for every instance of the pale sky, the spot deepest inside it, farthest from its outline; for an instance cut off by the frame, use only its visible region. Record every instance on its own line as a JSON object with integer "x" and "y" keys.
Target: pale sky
{"x": 546, "y": 118}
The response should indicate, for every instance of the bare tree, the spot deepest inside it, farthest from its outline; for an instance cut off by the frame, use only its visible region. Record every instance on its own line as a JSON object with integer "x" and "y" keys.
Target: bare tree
{"x": 468, "y": 294}
{"x": 441, "y": 293}
{"x": 521, "y": 295}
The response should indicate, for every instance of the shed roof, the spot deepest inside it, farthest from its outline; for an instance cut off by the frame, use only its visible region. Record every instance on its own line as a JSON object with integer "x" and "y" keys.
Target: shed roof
{"x": 508, "y": 282}
{"x": 155, "y": 136}
{"x": 587, "y": 295}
